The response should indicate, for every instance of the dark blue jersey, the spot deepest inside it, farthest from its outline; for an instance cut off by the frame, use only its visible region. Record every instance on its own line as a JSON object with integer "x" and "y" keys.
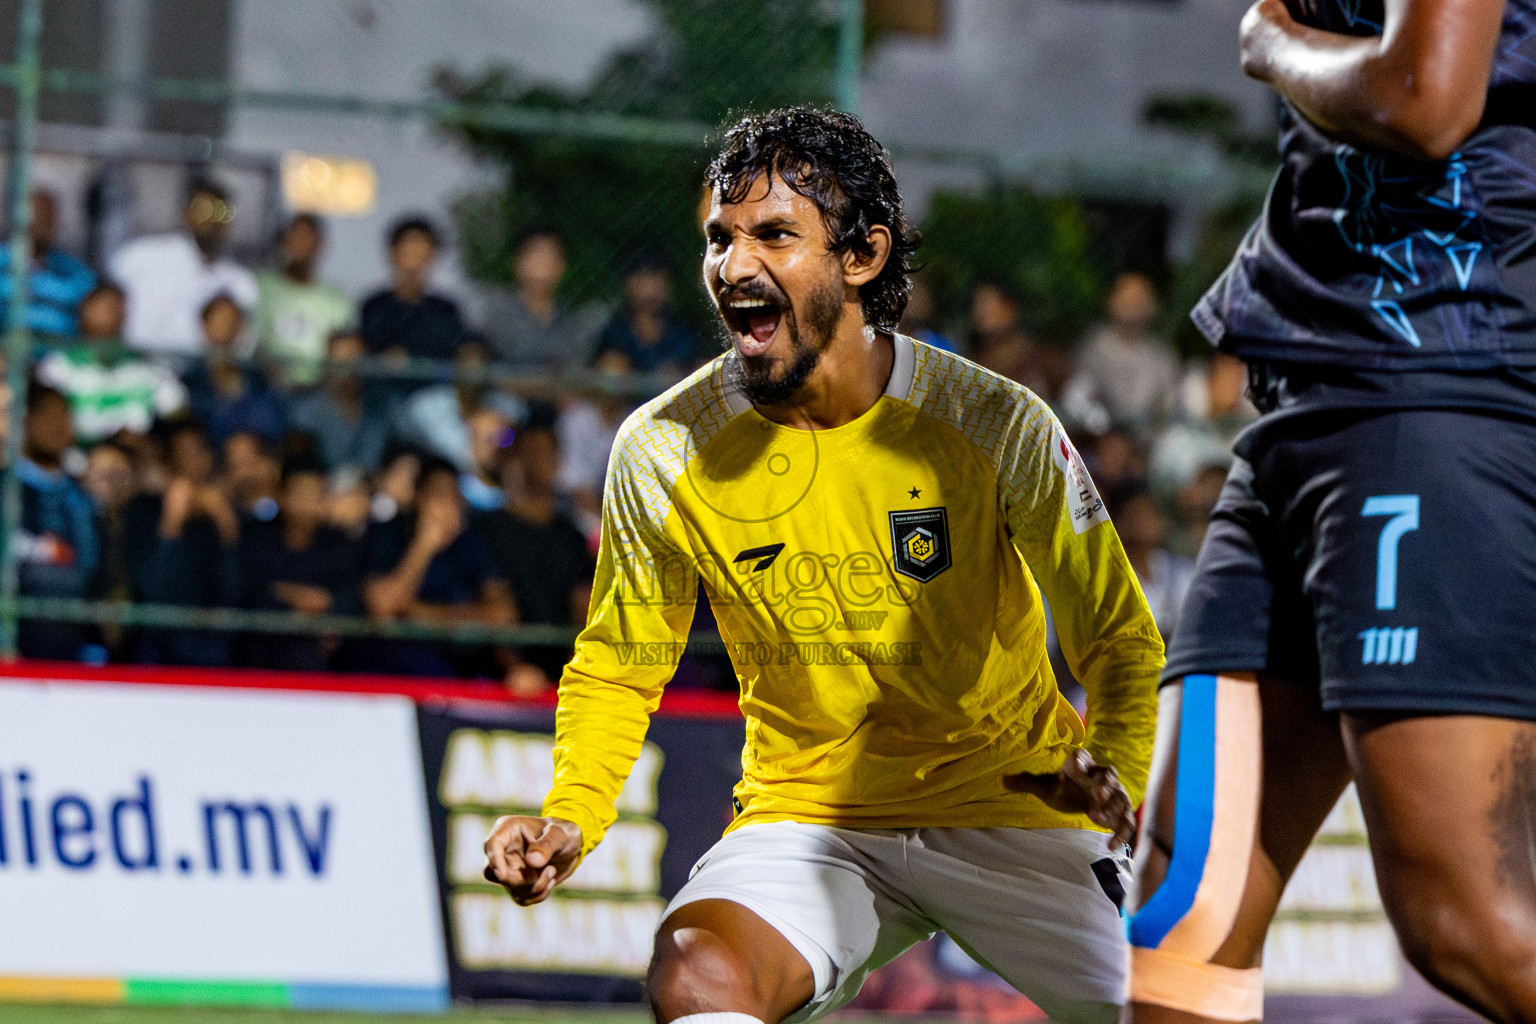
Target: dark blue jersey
{"x": 1373, "y": 261}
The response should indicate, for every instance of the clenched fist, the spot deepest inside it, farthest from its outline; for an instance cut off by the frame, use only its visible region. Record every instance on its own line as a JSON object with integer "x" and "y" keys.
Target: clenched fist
{"x": 530, "y": 856}
{"x": 1083, "y": 786}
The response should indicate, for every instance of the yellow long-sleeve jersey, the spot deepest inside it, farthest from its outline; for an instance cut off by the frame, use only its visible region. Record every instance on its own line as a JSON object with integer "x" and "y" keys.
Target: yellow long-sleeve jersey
{"x": 878, "y": 586}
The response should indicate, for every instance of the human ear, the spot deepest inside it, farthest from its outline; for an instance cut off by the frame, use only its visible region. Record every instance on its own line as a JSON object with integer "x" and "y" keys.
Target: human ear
{"x": 860, "y": 268}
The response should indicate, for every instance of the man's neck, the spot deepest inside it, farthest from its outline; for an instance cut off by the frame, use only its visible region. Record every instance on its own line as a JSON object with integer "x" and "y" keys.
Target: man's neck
{"x": 848, "y": 380}
{"x": 647, "y": 325}
{"x": 410, "y": 289}
{"x": 46, "y": 463}
{"x": 538, "y": 508}
{"x": 298, "y": 537}
{"x": 1127, "y": 334}
{"x": 540, "y": 303}
{"x": 227, "y": 377}
{"x": 299, "y": 273}
{"x": 348, "y": 397}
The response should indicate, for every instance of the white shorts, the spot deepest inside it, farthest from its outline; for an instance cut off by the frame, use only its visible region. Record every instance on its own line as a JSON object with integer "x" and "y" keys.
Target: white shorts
{"x": 1029, "y": 904}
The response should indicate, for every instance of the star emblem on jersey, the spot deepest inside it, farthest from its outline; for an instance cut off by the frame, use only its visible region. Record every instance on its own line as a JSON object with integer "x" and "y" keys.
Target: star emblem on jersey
{"x": 914, "y": 492}
{"x": 920, "y": 543}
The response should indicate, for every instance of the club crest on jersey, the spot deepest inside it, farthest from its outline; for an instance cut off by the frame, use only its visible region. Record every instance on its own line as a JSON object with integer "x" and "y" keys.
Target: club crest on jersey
{"x": 1083, "y": 501}
{"x": 920, "y": 542}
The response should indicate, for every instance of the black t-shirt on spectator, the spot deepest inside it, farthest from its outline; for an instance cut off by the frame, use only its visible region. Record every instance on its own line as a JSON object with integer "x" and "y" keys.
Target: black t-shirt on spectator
{"x": 455, "y": 575}
{"x": 329, "y": 562}
{"x": 544, "y": 563}
{"x": 429, "y": 329}
{"x": 195, "y": 569}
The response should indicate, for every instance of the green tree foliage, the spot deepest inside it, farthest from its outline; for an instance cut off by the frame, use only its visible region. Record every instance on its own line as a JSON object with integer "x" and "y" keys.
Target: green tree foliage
{"x": 1040, "y": 245}
{"x": 1216, "y": 121}
{"x": 705, "y": 60}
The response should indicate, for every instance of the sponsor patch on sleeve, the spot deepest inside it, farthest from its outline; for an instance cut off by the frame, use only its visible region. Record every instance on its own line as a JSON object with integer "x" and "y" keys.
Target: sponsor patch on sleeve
{"x": 1083, "y": 501}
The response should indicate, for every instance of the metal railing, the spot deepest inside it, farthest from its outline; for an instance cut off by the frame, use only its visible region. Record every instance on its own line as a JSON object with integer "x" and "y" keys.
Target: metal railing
{"x": 239, "y": 620}
{"x": 28, "y": 79}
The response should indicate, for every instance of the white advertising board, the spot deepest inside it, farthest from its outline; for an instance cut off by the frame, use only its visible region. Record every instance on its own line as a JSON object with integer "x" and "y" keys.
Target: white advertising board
{"x": 169, "y": 838}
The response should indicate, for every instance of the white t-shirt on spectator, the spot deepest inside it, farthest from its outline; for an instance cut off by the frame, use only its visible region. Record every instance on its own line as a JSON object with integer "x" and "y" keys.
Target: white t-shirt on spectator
{"x": 586, "y": 438}
{"x": 168, "y": 283}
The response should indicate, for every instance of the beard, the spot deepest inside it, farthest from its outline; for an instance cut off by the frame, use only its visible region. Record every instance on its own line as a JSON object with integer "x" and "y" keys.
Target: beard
{"x": 756, "y": 376}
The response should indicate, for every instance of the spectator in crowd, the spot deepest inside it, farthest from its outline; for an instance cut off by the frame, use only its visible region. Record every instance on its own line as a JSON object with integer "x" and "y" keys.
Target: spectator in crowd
{"x": 1143, "y": 529}
{"x": 432, "y": 567}
{"x": 437, "y": 420}
{"x": 489, "y": 435}
{"x": 170, "y": 278}
{"x": 103, "y": 314}
{"x": 1226, "y": 389}
{"x": 1194, "y": 502}
{"x": 111, "y": 483}
{"x": 1123, "y": 368}
{"x": 1115, "y": 457}
{"x": 151, "y": 460}
{"x": 586, "y": 429}
{"x": 57, "y": 280}
{"x": 528, "y": 327}
{"x": 536, "y": 545}
{"x": 343, "y": 415}
{"x": 190, "y": 558}
{"x": 295, "y": 311}
{"x": 252, "y": 475}
{"x": 110, "y": 387}
{"x": 348, "y": 502}
{"x": 998, "y": 341}
{"x": 395, "y": 484}
{"x": 406, "y": 318}
{"x": 57, "y": 546}
{"x": 226, "y": 395}
{"x": 644, "y": 336}
{"x": 111, "y": 480}
{"x": 917, "y": 320}
{"x": 298, "y": 563}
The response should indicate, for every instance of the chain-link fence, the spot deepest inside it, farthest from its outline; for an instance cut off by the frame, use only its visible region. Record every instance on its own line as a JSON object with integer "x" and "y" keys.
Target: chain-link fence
{"x": 613, "y": 169}
{"x": 610, "y": 165}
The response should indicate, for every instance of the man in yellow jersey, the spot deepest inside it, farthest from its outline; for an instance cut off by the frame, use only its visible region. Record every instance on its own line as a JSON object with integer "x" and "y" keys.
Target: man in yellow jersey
{"x": 875, "y": 522}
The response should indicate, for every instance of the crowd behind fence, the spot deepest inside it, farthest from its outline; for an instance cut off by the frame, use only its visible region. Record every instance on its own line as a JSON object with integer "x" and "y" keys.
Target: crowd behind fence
{"x": 225, "y": 466}
{"x": 212, "y": 463}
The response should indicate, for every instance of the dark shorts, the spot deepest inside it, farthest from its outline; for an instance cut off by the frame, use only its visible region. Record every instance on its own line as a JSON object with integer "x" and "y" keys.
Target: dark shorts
{"x": 1389, "y": 557}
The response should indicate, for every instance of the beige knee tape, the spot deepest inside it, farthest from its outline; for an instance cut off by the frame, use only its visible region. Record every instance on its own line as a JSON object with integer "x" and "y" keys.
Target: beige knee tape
{"x": 1166, "y": 979}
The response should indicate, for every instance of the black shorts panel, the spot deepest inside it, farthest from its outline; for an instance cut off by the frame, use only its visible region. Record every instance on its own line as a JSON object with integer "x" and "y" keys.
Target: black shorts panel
{"x": 1244, "y": 611}
{"x": 1389, "y": 557}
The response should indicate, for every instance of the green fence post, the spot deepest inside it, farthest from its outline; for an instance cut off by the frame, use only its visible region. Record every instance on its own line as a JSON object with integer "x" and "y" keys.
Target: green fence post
{"x": 850, "y": 54}
{"x": 18, "y": 339}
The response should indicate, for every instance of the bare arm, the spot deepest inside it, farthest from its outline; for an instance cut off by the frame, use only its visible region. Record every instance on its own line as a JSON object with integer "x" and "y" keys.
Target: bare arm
{"x": 388, "y": 597}
{"x": 1417, "y": 89}
{"x": 394, "y": 594}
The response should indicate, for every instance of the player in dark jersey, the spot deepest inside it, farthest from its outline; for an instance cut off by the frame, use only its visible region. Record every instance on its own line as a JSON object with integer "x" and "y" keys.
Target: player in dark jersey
{"x": 1376, "y": 540}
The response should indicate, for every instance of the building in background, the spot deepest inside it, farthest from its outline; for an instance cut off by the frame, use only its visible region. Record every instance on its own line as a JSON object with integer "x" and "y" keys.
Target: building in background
{"x": 1052, "y": 90}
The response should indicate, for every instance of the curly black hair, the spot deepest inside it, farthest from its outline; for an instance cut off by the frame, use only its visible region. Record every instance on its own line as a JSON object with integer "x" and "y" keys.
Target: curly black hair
{"x": 828, "y": 157}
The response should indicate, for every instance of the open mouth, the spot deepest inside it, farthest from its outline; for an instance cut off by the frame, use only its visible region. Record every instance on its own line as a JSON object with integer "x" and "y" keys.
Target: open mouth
{"x": 756, "y": 321}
